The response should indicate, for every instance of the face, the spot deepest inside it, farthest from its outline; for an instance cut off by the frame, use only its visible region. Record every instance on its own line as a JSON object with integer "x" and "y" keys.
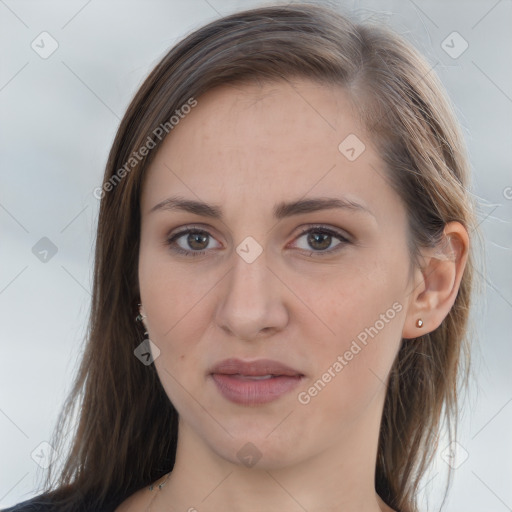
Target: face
{"x": 320, "y": 291}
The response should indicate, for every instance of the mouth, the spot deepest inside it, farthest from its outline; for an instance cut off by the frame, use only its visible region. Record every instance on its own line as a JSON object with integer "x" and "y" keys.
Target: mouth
{"x": 254, "y": 382}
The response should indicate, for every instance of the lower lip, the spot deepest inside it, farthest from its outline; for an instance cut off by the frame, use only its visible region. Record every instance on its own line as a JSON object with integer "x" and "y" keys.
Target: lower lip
{"x": 245, "y": 391}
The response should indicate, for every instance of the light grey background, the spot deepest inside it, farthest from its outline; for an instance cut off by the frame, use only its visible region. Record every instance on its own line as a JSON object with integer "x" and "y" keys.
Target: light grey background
{"x": 59, "y": 116}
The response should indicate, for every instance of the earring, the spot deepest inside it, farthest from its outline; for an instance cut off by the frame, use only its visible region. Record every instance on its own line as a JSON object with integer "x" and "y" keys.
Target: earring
{"x": 140, "y": 317}
{"x": 419, "y": 323}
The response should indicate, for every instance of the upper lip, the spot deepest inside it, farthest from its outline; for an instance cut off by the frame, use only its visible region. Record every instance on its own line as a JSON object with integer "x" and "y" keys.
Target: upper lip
{"x": 259, "y": 367}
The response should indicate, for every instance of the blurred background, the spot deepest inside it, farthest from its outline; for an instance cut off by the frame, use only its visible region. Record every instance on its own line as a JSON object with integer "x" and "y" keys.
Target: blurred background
{"x": 67, "y": 73}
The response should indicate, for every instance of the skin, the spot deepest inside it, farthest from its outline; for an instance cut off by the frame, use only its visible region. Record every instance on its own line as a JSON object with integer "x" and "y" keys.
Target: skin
{"x": 247, "y": 148}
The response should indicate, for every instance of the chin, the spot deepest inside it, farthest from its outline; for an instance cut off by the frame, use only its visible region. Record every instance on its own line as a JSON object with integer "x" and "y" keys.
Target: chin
{"x": 251, "y": 446}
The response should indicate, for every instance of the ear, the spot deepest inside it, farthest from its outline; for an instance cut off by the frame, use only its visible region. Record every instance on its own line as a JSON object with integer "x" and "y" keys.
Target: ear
{"x": 437, "y": 282}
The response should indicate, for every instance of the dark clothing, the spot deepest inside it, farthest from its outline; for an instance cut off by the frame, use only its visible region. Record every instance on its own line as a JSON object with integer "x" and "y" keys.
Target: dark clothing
{"x": 31, "y": 505}
{"x": 45, "y": 504}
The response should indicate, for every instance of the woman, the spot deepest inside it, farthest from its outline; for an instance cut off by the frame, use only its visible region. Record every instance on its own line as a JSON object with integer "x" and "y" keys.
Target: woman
{"x": 282, "y": 284}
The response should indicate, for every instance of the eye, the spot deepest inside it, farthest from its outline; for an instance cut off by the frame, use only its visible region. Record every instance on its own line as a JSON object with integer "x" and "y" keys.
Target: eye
{"x": 320, "y": 238}
{"x": 197, "y": 240}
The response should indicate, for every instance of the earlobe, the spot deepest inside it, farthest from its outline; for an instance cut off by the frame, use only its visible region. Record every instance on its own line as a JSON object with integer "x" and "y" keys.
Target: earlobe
{"x": 437, "y": 282}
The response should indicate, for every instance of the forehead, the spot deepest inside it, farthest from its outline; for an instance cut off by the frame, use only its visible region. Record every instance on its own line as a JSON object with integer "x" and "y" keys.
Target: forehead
{"x": 275, "y": 141}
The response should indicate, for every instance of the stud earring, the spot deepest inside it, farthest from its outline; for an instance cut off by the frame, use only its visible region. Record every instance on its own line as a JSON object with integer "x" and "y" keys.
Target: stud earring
{"x": 419, "y": 322}
{"x": 140, "y": 317}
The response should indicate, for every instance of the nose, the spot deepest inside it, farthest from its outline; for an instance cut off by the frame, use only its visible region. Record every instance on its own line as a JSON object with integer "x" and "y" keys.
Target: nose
{"x": 252, "y": 303}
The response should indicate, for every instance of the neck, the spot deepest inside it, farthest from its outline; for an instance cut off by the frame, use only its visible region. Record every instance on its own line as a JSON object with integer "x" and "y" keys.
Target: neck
{"x": 338, "y": 479}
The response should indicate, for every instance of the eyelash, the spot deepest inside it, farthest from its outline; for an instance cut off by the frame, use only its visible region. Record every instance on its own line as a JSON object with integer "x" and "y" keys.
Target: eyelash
{"x": 312, "y": 229}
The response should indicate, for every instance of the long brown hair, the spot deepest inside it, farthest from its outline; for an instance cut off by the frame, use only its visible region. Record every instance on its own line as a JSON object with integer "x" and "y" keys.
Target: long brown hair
{"x": 126, "y": 433}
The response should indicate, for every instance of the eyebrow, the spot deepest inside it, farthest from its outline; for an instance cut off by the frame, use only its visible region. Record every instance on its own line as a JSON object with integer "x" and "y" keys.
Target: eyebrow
{"x": 281, "y": 210}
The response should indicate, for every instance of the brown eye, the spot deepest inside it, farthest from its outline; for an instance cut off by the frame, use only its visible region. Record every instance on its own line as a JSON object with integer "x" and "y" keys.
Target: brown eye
{"x": 197, "y": 239}
{"x": 320, "y": 239}
{"x": 195, "y": 242}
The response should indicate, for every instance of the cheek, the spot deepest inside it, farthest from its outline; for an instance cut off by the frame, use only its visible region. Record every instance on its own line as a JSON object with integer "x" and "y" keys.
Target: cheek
{"x": 172, "y": 301}
{"x": 348, "y": 300}
{"x": 172, "y": 294}
{"x": 363, "y": 313}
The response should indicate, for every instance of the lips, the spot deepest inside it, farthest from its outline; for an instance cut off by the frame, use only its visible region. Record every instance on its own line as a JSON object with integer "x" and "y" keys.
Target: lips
{"x": 254, "y": 382}
{"x": 258, "y": 368}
